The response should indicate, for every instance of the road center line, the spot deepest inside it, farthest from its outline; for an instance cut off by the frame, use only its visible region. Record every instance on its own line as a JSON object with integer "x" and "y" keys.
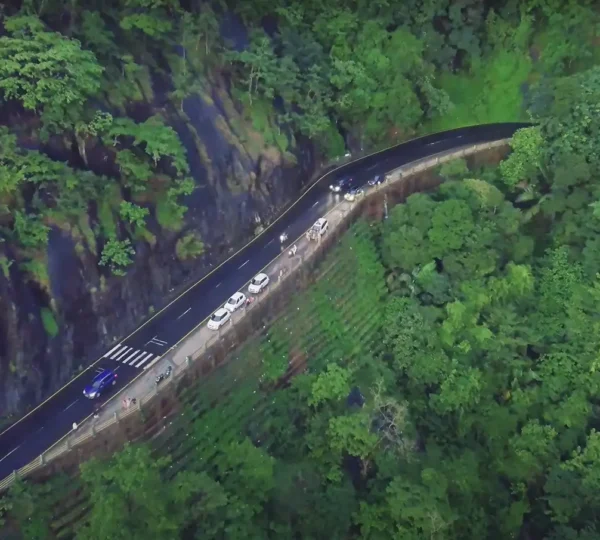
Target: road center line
{"x": 239, "y": 267}
{"x": 315, "y": 204}
{"x": 71, "y": 405}
{"x": 186, "y": 311}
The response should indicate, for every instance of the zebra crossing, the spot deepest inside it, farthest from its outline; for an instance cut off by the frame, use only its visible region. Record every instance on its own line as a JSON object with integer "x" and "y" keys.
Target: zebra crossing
{"x": 129, "y": 356}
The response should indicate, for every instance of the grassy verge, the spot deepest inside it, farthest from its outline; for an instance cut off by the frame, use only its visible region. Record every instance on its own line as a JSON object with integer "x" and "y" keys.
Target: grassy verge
{"x": 491, "y": 92}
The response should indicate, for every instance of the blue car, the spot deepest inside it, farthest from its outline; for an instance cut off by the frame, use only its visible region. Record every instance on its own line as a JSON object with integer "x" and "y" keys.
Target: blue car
{"x": 100, "y": 383}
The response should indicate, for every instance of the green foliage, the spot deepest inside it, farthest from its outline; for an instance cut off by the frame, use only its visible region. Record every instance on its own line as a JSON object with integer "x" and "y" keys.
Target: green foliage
{"x": 524, "y": 162}
{"x": 134, "y": 214}
{"x": 45, "y": 70}
{"x": 30, "y": 505}
{"x": 189, "y": 246}
{"x": 124, "y": 500}
{"x": 117, "y": 255}
{"x": 440, "y": 378}
{"x": 332, "y": 384}
{"x": 454, "y": 170}
{"x": 157, "y": 139}
{"x": 49, "y": 322}
{"x": 5, "y": 264}
{"x": 169, "y": 212}
{"x": 135, "y": 171}
{"x": 30, "y": 230}
{"x": 150, "y": 17}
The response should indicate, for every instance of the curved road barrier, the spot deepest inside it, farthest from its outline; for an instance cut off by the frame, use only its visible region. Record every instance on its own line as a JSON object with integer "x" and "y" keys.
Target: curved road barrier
{"x": 45, "y": 432}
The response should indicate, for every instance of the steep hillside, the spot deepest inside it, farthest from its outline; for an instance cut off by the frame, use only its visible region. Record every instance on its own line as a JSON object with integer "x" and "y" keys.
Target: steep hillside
{"x": 99, "y": 228}
{"x": 142, "y": 141}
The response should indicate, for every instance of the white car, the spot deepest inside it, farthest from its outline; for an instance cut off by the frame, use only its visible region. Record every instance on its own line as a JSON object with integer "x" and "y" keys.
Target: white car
{"x": 318, "y": 229}
{"x": 219, "y": 318}
{"x": 321, "y": 226}
{"x": 259, "y": 283}
{"x": 236, "y": 301}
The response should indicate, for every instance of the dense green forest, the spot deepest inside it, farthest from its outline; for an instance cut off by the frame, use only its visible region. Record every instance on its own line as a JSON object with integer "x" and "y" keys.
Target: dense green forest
{"x": 379, "y": 71}
{"x": 447, "y": 367}
{"x": 446, "y": 379}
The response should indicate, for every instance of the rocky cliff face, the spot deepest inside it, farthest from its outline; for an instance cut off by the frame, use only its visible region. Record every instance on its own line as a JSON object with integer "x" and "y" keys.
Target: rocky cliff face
{"x": 51, "y": 327}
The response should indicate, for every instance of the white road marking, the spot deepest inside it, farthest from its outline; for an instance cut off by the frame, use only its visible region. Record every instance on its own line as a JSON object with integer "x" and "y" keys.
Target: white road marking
{"x": 270, "y": 242}
{"x": 71, "y": 405}
{"x": 114, "y": 355}
{"x": 144, "y": 360}
{"x": 14, "y": 450}
{"x": 186, "y": 311}
{"x": 130, "y": 356}
{"x": 218, "y": 286}
{"x": 112, "y": 350}
{"x": 138, "y": 356}
{"x": 123, "y": 353}
{"x": 153, "y": 362}
{"x": 315, "y": 204}
{"x": 240, "y": 267}
{"x": 156, "y": 340}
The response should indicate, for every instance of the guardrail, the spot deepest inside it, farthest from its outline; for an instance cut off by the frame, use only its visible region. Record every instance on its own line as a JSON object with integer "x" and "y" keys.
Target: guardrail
{"x": 81, "y": 435}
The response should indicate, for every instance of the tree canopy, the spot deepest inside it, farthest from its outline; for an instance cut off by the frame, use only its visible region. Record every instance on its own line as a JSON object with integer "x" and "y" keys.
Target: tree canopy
{"x": 440, "y": 377}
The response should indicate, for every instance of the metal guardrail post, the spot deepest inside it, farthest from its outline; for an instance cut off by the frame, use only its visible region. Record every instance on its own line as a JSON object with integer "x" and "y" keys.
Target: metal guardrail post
{"x": 116, "y": 417}
{"x": 42, "y": 459}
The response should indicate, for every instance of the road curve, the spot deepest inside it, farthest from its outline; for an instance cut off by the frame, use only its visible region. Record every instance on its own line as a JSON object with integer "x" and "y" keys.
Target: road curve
{"x": 27, "y": 438}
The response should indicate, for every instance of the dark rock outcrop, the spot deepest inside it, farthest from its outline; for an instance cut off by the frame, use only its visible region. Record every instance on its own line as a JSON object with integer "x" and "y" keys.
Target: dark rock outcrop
{"x": 53, "y": 326}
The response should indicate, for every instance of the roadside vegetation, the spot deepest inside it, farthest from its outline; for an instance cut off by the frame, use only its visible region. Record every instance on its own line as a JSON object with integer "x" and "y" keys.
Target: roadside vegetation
{"x": 439, "y": 380}
{"x": 376, "y": 73}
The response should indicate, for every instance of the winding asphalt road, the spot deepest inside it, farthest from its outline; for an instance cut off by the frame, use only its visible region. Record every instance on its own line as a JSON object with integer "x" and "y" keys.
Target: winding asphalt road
{"x": 27, "y": 438}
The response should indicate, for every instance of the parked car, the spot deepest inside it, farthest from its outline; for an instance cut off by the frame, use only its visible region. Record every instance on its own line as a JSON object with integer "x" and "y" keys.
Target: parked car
{"x": 259, "y": 283}
{"x": 105, "y": 379}
{"x": 377, "y": 179}
{"x": 318, "y": 229}
{"x": 236, "y": 301}
{"x": 219, "y": 318}
{"x": 342, "y": 184}
{"x": 354, "y": 194}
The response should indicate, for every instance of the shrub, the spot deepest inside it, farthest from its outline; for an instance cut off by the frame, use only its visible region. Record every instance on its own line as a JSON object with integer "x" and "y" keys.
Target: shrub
{"x": 189, "y": 246}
